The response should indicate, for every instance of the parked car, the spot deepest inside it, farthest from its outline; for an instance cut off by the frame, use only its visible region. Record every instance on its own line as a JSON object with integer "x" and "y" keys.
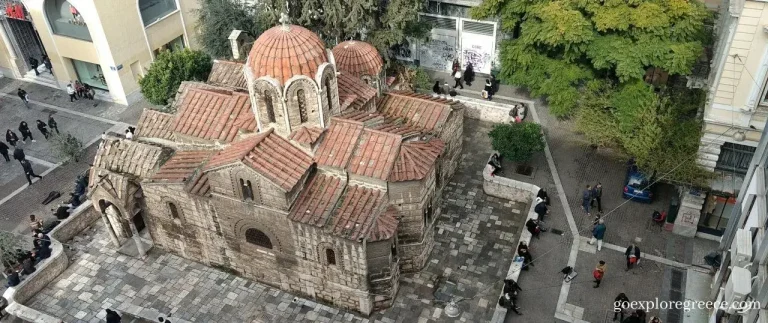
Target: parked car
{"x": 637, "y": 186}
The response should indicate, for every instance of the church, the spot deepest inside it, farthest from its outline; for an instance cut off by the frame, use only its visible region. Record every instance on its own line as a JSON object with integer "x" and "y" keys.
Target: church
{"x": 299, "y": 169}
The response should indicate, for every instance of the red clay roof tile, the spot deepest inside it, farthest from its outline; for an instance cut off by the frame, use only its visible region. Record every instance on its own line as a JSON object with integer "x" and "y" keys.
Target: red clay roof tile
{"x": 416, "y": 159}
{"x": 306, "y": 134}
{"x": 356, "y": 212}
{"x": 385, "y": 226}
{"x": 317, "y": 200}
{"x": 357, "y": 58}
{"x": 375, "y": 154}
{"x": 341, "y": 139}
{"x": 225, "y": 73}
{"x": 212, "y": 113}
{"x": 351, "y": 87}
{"x": 282, "y": 53}
{"x": 182, "y": 165}
{"x": 154, "y": 124}
{"x": 417, "y": 110}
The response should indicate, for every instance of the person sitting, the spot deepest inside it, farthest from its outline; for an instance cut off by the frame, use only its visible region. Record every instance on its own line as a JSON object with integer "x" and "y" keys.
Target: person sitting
{"x": 523, "y": 251}
{"x": 74, "y": 201}
{"x": 436, "y": 88}
{"x": 34, "y": 223}
{"x": 13, "y": 277}
{"x": 534, "y": 228}
{"x": 28, "y": 267}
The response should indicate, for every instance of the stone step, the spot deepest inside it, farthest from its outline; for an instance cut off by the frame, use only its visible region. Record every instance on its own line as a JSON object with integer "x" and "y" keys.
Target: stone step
{"x": 45, "y": 79}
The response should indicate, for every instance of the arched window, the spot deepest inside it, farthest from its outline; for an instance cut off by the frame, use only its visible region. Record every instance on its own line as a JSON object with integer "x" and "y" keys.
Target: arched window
{"x": 173, "y": 210}
{"x": 246, "y": 190}
{"x": 330, "y": 256}
{"x": 270, "y": 106}
{"x": 328, "y": 93}
{"x": 301, "y": 98}
{"x": 258, "y": 238}
{"x": 66, "y": 20}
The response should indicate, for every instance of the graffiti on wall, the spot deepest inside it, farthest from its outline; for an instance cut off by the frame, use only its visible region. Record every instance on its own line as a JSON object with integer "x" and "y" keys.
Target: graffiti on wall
{"x": 478, "y": 50}
{"x": 438, "y": 53}
{"x": 405, "y": 51}
{"x": 477, "y": 57}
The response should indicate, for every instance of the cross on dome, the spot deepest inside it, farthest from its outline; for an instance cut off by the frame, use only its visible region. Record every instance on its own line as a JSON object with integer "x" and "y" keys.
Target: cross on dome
{"x": 284, "y": 19}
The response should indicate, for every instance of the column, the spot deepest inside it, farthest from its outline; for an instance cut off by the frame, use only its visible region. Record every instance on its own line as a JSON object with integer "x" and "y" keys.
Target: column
{"x": 137, "y": 240}
{"x": 112, "y": 235}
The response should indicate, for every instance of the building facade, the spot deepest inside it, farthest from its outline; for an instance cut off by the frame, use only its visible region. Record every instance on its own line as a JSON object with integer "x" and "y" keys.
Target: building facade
{"x": 292, "y": 169}
{"x": 108, "y": 45}
{"x": 734, "y": 115}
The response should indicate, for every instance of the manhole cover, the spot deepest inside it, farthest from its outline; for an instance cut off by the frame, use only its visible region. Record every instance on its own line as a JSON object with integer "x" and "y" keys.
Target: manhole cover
{"x": 556, "y": 231}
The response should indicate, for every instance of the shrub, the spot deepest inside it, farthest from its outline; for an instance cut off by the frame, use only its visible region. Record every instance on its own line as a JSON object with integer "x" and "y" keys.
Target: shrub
{"x": 169, "y": 69}
{"x": 67, "y": 147}
{"x": 517, "y": 142}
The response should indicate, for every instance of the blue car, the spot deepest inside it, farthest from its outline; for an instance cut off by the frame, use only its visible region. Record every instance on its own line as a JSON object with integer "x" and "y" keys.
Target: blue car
{"x": 637, "y": 187}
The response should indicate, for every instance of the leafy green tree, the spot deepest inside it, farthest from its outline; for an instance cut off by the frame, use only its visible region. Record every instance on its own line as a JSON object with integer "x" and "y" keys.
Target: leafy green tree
{"x": 217, "y": 19}
{"x": 8, "y": 245}
{"x": 169, "y": 69}
{"x": 67, "y": 147}
{"x": 517, "y": 142}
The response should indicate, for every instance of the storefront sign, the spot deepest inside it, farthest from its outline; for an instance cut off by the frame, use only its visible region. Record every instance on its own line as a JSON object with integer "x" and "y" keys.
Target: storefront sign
{"x": 15, "y": 11}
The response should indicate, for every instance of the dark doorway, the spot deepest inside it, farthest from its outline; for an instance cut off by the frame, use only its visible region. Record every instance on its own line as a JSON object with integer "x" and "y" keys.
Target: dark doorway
{"x": 138, "y": 221}
{"x": 24, "y": 37}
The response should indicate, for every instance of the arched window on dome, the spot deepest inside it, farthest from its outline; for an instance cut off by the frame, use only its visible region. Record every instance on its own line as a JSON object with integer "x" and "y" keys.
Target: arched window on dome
{"x": 258, "y": 238}
{"x": 301, "y": 98}
{"x": 270, "y": 107}
{"x": 328, "y": 94}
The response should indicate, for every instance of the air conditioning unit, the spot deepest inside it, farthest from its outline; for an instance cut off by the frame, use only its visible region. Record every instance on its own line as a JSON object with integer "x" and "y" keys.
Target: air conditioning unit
{"x": 738, "y": 287}
{"x": 741, "y": 248}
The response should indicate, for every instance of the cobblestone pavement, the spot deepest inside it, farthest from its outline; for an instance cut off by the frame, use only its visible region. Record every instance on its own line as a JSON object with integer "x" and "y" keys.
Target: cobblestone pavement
{"x": 473, "y": 250}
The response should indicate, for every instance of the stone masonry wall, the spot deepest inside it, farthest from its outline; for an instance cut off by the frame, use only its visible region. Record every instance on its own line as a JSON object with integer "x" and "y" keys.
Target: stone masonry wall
{"x": 452, "y": 135}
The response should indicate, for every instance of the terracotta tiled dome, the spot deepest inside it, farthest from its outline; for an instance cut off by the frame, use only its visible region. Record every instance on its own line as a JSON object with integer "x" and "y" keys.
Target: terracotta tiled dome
{"x": 286, "y": 51}
{"x": 357, "y": 58}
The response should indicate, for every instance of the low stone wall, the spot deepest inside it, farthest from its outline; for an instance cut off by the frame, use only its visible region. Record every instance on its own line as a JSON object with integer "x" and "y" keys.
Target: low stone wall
{"x": 50, "y": 268}
{"x": 481, "y": 109}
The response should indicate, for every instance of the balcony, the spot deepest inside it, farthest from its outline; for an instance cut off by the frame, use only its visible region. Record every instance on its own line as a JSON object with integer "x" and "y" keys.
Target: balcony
{"x": 65, "y": 20}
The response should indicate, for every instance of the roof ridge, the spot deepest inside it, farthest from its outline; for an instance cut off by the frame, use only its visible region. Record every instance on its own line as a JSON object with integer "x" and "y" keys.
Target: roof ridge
{"x": 382, "y": 133}
{"x": 256, "y": 141}
{"x": 422, "y": 97}
{"x": 338, "y": 119}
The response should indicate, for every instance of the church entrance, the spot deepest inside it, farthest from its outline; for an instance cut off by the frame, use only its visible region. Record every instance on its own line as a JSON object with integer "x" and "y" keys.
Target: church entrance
{"x": 22, "y": 34}
{"x": 138, "y": 221}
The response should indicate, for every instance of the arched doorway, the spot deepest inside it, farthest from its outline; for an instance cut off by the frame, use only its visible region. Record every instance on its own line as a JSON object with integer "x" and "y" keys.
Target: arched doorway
{"x": 22, "y": 34}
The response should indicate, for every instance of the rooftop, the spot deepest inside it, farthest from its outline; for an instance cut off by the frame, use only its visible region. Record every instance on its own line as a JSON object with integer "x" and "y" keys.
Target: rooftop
{"x": 228, "y": 74}
{"x": 154, "y": 124}
{"x": 340, "y": 140}
{"x": 353, "y": 92}
{"x": 317, "y": 200}
{"x": 417, "y": 110}
{"x": 358, "y": 58}
{"x": 375, "y": 154}
{"x": 356, "y": 212}
{"x": 283, "y": 52}
{"x": 212, "y": 113}
{"x": 416, "y": 159}
{"x": 306, "y": 134}
{"x": 182, "y": 166}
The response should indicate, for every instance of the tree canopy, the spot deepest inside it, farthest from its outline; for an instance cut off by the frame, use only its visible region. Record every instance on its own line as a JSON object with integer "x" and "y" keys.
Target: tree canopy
{"x": 218, "y": 18}
{"x": 517, "y": 141}
{"x": 169, "y": 69}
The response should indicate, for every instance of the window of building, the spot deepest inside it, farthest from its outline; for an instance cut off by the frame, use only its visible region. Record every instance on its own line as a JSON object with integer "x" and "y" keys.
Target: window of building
{"x": 246, "y": 190}
{"x": 258, "y": 238}
{"x": 328, "y": 94}
{"x": 174, "y": 45}
{"x": 330, "y": 256}
{"x": 393, "y": 250}
{"x": 735, "y": 158}
{"x": 91, "y": 74}
{"x": 154, "y": 10}
{"x": 301, "y": 98}
{"x": 65, "y": 20}
{"x": 173, "y": 210}
{"x": 270, "y": 106}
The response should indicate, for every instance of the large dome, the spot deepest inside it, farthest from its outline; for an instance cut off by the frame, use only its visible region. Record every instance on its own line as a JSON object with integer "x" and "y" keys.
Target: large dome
{"x": 357, "y": 58}
{"x": 283, "y": 52}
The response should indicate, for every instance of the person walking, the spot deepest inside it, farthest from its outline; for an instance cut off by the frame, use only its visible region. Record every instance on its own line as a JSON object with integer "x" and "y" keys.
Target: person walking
{"x": 488, "y": 90}
{"x": 48, "y": 64}
{"x": 597, "y": 194}
{"x": 457, "y": 78}
{"x": 523, "y": 251}
{"x": 72, "y": 93}
{"x": 11, "y": 137}
{"x": 469, "y": 74}
{"x": 456, "y": 66}
{"x": 586, "y": 199}
{"x": 34, "y": 64}
{"x": 633, "y": 256}
{"x": 43, "y": 128}
{"x": 53, "y": 125}
{"x": 598, "y": 232}
{"x": 4, "y": 151}
{"x": 620, "y": 305}
{"x": 18, "y": 154}
{"x": 25, "y": 132}
{"x": 24, "y": 97}
{"x": 598, "y": 273}
{"x": 29, "y": 172}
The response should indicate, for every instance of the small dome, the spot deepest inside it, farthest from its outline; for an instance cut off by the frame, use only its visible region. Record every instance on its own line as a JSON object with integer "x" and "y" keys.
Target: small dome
{"x": 283, "y": 52}
{"x": 357, "y": 58}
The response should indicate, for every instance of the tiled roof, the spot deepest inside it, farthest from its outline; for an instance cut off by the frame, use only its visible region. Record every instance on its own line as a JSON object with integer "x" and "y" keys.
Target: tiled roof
{"x": 306, "y": 134}
{"x": 375, "y": 154}
{"x": 415, "y": 160}
{"x": 154, "y": 124}
{"x": 385, "y": 225}
{"x": 369, "y": 119}
{"x": 268, "y": 154}
{"x": 341, "y": 139}
{"x": 127, "y": 157}
{"x": 285, "y": 52}
{"x": 317, "y": 200}
{"x": 397, "y": 128}
{"x": 182, "y": 166}
{"x": 354, "y": 90}
{"x": 212, "y": 113}
{"x": 356, "y": 212}
{"x": 357, "y": 58}
{"x": 417, "y": 110}
{"x": 199, "y": 184}
{"x": 225, "y": 73}
{"x": 378, "y": 121}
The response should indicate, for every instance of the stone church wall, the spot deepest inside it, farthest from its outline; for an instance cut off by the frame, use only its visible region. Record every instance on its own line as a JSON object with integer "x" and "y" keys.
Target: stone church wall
{"x": 452, "y": 135}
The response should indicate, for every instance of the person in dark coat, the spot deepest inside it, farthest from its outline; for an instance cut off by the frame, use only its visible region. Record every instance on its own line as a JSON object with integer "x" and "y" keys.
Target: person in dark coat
{"x": 48, "y": 64}
{"x": 620, "y": 306}
{"x": 4, "y": 151}
{"x": 633, "y": 255}
{"x": 436, "y": 88}
{"x": 25, "y": 132}
{"x": 53, "y": 125}
{"x": 28, "y": 171}
{"x": 23, "y": 96}
{"x": 18, "y": 154}
{"x": 13, "y": 277}
{"x": 112, "y": 316}
{"x": 541, "y": 209}
{"x": 33, "y": 63}
{"x": 28, "y": 266}
{"x": 469, "y": 74}
{"x": 43, "y": 128}
{"x": 534, "y": 228}
{"x": 456, "y": 66}
{"x": 523, "y": 251}
{"x": 488, "y": 89}
{"x": 11, "y": 137}
{"x": 597, "y": 195}
{"x": 509, "y": 299}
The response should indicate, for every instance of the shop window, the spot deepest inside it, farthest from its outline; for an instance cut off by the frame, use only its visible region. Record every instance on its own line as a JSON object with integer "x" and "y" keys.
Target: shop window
{"x": 91, "y": 74}
{"x": 258, "y": 238}
{"x": 65, "y": 20}
{"x": 330, "y": 256}
{"x": 246, "y": 190}
{"x": 173, "y": 210}
{"x": 301, "y": 98}
{"x": 154, "y": 10}
{"x": 270, "y": 107}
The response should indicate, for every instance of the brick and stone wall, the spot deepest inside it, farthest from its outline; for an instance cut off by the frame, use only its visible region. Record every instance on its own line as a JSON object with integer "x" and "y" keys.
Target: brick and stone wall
{"x": 452, "y": 135}
{"x": 418, "y": 205}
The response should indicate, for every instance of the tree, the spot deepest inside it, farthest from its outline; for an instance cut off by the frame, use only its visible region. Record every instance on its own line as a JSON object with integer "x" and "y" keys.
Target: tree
{"x": 67, "y": 147}
{"x": 8, "y": 245}
{"x": 218, "y": 18}
{"x": 517, "y": 141}
{"x": 169, "y": 69}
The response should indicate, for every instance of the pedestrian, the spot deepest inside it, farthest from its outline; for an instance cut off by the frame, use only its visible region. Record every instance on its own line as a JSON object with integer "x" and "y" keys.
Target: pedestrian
{"x": 33, "y": 63}
{"x": 18, "y": 154}
{"x": 13, "y": 278}
{"x": 25, "y": 132}
{"x": 112, "y": 316}
{"x": 79, "y": 89}
{"x": 598, "y": 273}
{"x": 4, "y": 151}
{"x": 534, "y": 228}
{"x": 48, "y": 64}
{"x": 469, "y": 74}
{"x": 72, "y": 93}
{"x": 456, "y": 66}
{"x": 511, "y": 289}
{"x": 597, "y": 194}
{"x": 28, "y": 266}
{"x": 586, "y": 198}
{"x": 29, "y": 172}
{"x": 89, "y": 91}
{"x": 457, "y": 78}
{"x": 633, "y": 318}
{"x": 654, "y": 320}
{"x": 53, "y": 125}
{"x": 640, "y": 315}
{"x": 35, "y": 224}
{"x": 24, "y": 97}
{"x": 620, "y": 305}
{"x": 598, "y": 232}
{"x": 541, "y": 209}
{"x": 43, "y": 128}
{"x": 543, "y": 195}
{"x": 633, "y": 256}
{"x": 128, "y": 134}
{"x": 488, "y": 90}
{"x": 11, "y": 137}
{"x": 523, "y": 251}
{"x": 436, "y": 88}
